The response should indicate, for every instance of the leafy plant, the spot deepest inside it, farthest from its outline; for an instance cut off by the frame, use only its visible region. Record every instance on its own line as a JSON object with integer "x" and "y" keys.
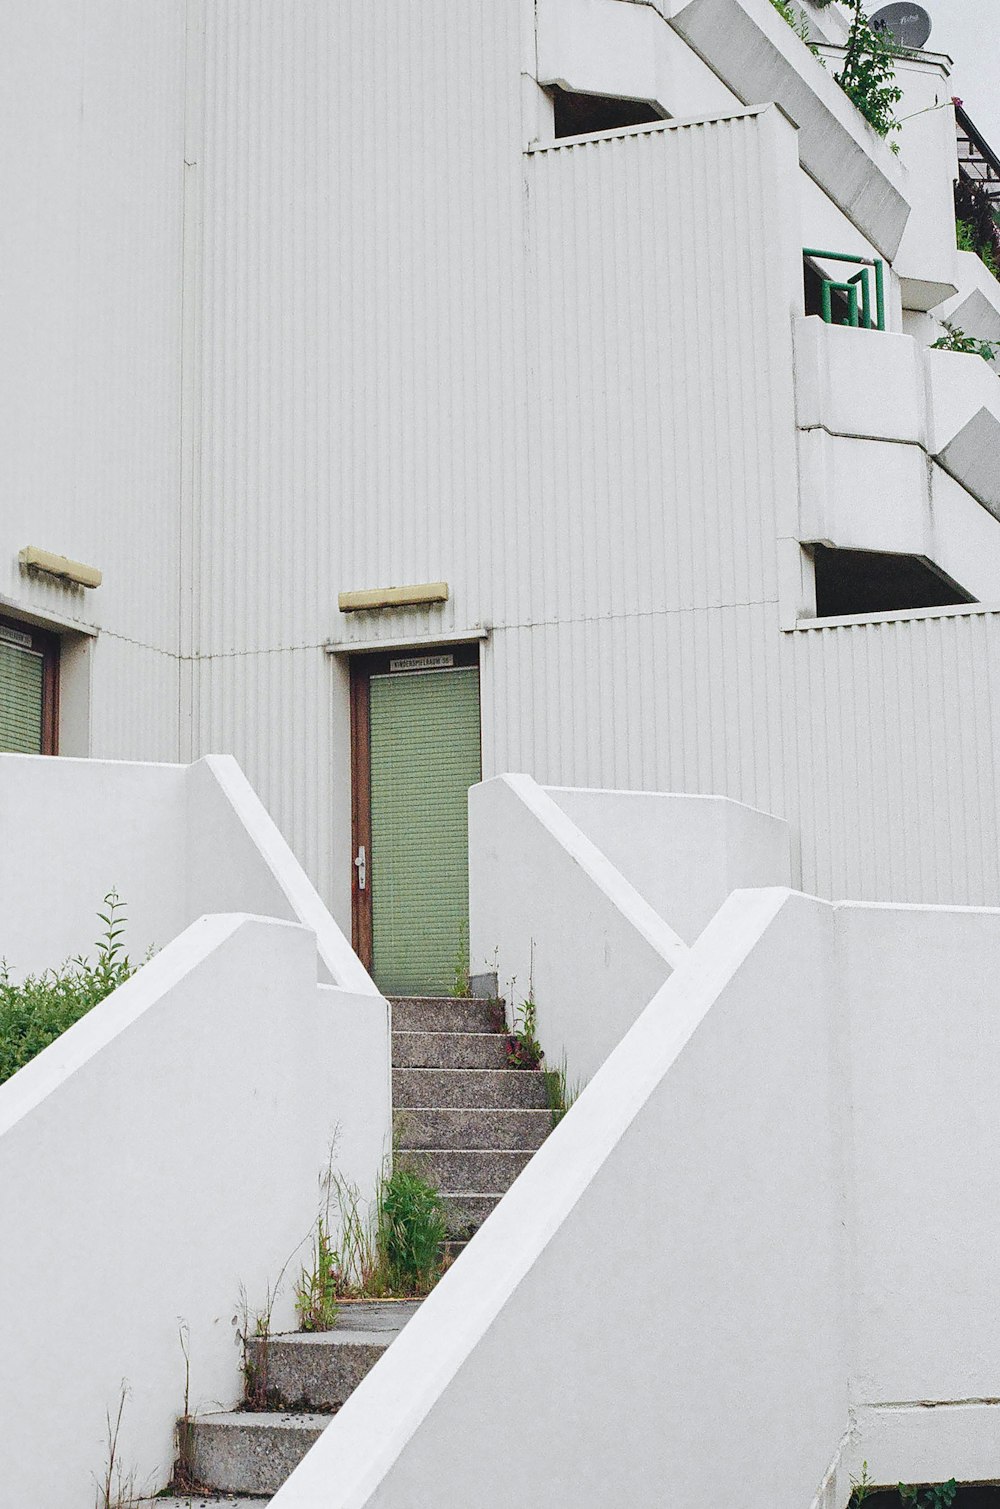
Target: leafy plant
{"x": 316, "y": 1290}
{"x": 462, "y": 987}
{"x": 940, "y": 1496}
{"x": 41, "y": 1007}
{"x": 868, "y": 73}
{"x": 860, "y": 1488}
{"x": 976, "y": 228}
{"x": 390, "y": 1248}
{"x": 523, "y": 1048}
{"x": 411, "y": 1229}
{"x": 561, "y": 1093}
{"x": 797, "y": 21}
{"x": 969, "y": 345}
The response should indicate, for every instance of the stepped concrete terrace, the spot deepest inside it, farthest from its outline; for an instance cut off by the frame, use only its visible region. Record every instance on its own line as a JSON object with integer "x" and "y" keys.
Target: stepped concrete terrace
{"x": 469, "y": 1124}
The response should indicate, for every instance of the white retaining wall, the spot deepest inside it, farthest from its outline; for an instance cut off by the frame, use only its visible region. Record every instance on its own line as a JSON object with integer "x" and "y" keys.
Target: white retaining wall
{"x": 684, "y": 854}
{"x": 654, "y": 1312}
{"x": 772, "y": 1204}
{"x": 554, "y": 917}
{"x": 921, "y": 986}
{"x": 160, "y": 1157}
{"x": 175, "y": 840}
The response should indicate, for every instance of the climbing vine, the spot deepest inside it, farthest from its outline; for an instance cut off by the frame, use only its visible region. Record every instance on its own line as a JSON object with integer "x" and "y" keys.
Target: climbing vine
{"x": 868, "y": 74}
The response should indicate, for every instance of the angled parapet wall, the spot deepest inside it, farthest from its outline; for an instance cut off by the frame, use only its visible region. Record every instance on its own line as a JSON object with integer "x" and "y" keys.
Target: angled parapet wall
{"x": 976, "y": 307}
{"x": 661, "y": 1291}
{"x": 159, "y": 1159}
{"x": 760, "y": 58}
{"x": 773, "y": 1202}
{"x": 555, "y": 919}
{"x": 921, "y": 990}
{"x": 684, "y": 854}
{"x": 176, "y": 841}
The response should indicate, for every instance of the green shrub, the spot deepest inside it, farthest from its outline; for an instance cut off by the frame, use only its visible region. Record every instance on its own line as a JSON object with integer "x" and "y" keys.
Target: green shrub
{"x": 411, "y": 1228}
{"x": 868, "y": 73}
{"x": 36, "y": 1011}
{"x": 968, "y": 345}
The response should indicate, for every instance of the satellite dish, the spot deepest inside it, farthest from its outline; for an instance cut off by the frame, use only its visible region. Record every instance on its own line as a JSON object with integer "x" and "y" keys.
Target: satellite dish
{"x": 909, "y": 24}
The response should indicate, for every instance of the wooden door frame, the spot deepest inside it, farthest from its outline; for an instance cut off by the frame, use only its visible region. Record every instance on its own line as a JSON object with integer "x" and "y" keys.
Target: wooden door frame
{"x": 363, "y": 667}
{"x": 47, "y": 645}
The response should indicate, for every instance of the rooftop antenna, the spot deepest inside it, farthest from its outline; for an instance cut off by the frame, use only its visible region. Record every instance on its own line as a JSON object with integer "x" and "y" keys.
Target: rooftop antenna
{"x": 908, "y": 24}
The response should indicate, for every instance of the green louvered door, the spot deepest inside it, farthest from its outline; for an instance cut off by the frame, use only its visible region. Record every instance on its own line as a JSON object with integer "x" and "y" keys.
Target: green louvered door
{"x": 424, "y": 756}
{"x": 22, "y": 688}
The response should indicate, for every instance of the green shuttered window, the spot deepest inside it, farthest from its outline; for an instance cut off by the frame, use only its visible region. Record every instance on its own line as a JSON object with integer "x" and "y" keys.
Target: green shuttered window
{"x": 22, "y": 683}
{"x": 424, "y": 731}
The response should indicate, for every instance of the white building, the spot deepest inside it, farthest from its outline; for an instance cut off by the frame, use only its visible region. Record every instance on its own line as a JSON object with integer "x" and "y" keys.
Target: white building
{"x": 399, "y": 396}
{"x": 307, "y": 302}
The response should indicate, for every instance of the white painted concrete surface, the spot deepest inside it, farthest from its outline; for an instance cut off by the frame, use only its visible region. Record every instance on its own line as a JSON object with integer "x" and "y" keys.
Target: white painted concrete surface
{"x": 176, "y": 841}
{"x": 773, "y": 1201}
{"x": 158, "y": 1158}
{"x": 640, "y": 1315}
{"x": 684, "y": 854}
{"x": 554, "y": 917}
{"x": 921, "y": 991}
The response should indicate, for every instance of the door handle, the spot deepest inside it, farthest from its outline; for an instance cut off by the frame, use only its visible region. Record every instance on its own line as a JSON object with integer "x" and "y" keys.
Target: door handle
{"x": 361, "y": 865}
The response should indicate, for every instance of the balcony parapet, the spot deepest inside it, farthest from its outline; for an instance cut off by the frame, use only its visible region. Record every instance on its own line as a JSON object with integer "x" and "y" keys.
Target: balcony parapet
{"x": 976, "y": 307}
{"x": 881, "y": 419}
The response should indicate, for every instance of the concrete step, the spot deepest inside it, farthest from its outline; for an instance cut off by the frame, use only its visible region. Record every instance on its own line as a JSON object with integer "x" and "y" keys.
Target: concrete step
{"x": 466, "y": 1213}
{"x": 476, "y": 1088}
{"x": 445, "y": 1014}
{"x": 376, "y": 1314}
{"x": 202, "y": 1501}
{"x": 437, "y": 1127}
{"x": 237, "y": 1452}
{"x": 449, "y": 1050}
{"x": 488, "y": 1171}
{"x": 319, "y": 1371}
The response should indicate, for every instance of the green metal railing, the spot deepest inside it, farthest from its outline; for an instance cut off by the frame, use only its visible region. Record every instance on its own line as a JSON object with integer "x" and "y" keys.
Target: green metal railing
{"x": 859, "y": 309}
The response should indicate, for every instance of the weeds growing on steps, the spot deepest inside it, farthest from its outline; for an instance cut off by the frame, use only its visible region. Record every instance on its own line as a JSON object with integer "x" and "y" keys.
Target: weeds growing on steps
{"x": 560, "y": 1091}
{"x": 116, "y": 1488}
{"x": 411, "y": 1229}
{"x": 523, "y": 1048}
{"x": 389, "y": 1248}
{"x": 38, "y": 1010}
{"x": 462, "y": 986}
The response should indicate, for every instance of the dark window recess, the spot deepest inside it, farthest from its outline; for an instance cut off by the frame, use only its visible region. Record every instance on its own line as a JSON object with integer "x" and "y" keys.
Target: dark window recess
{"x": 867, "y": 581}
{"x": 582, "y": 114}
{"x": 814, "y": 295}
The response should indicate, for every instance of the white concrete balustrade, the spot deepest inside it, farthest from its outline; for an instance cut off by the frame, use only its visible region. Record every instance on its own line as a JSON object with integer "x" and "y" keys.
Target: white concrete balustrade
{"x": 163, "y": 1156}
{"x": 887, "y": 428}
{"x": 772, "y": 1204}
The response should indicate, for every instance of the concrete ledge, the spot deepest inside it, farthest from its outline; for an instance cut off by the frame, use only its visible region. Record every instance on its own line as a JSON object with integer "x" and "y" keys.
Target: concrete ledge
{"x": 760, "y": 58}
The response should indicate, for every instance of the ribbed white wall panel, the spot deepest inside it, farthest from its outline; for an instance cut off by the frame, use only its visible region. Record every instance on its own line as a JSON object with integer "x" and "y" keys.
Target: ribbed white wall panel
{"x": 134, "y": 701}
{"x": 893, "y": 730}
{"x": 368, "y": 341}
{"x": 91, "y": 113}
{"x": 90, "y": 245}
{"x": 361, "y": 186}
{"x": 529, "y": 376}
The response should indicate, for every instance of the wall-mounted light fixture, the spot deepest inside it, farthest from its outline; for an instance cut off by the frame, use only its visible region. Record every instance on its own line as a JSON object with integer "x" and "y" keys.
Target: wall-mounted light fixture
{"x": 60, "y": 566}
{"x": 393, "y": 597}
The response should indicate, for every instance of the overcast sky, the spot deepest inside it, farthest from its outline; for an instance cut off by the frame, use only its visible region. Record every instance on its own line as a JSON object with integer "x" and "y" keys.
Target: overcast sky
{"x": 969, "y": 30}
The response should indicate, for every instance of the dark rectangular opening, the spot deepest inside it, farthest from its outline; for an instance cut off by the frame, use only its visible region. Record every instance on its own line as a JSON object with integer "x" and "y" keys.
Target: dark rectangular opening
{"x": 583, "y": 114}
{"x": 869, "y": 581}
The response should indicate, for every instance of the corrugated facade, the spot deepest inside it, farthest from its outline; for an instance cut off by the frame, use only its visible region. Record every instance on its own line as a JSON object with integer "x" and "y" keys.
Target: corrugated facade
{"x": 331, "y": 326}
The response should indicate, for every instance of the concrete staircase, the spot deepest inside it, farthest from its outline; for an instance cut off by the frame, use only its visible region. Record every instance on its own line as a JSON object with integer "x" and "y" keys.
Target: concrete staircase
{"x": 469, "y": 1124}
{"x": 460, "y": 1116}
